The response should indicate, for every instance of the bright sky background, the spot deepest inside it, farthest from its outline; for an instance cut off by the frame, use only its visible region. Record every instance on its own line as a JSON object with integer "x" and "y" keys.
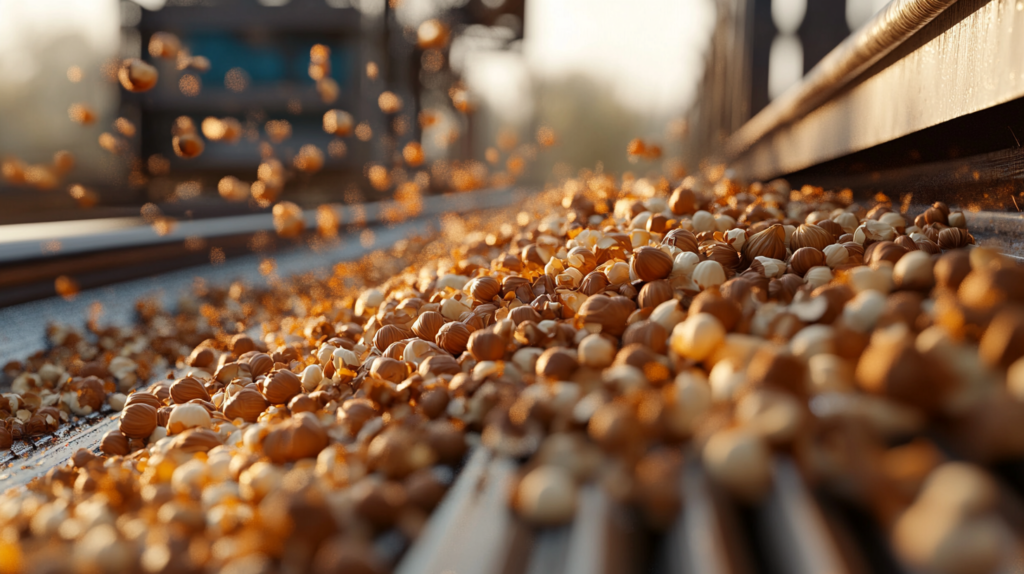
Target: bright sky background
{"x": 649, "y": 52}
{"x": 25, "y": 24}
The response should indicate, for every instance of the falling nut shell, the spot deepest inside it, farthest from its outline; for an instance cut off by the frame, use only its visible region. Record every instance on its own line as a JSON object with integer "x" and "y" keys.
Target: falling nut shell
{"x": 137, "y": 76}
{"x": 188, "y": 145}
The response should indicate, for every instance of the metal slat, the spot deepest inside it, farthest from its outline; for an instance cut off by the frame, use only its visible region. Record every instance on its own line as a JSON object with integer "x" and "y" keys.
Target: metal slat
{"x": 695, "y": 542}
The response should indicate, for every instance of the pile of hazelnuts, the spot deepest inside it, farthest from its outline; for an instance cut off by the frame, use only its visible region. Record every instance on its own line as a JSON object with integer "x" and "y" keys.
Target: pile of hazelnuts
{"x": 609, "y": 333}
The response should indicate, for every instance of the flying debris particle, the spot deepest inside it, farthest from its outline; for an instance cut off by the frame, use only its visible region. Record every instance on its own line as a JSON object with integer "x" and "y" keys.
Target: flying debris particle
{"x": 66, "y": 287}
{"x": 217, "y": 256}
{"x": 278, "y": 130}
{"x": 75, "y": 74}
{"x": 236, "y": 80}
{"x": 82, "y": 114}
{"x": 372, "y": 70}
{"x": 190, "y": 85}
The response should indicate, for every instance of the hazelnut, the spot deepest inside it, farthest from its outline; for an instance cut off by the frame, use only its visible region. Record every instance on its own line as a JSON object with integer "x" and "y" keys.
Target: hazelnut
{"x": 804, "y": 258}
{"x": 186, "y": 416}
{"x": 654, "y": 293}
{"x": 711, "y": 302}
{"x": 280, "y": 386}
{"x": 682, "y": 201}
{"x": 883, "y": 251}
{"x": 650, "y": 365}
{"x": 197, "y": 440}
{"x": 137, "y": 76}
{"x": 427, "y": 325}
{"x": 769, "y": 243}
{"x": 740, "y": 460}
{"x": 914, "y": 271}
{"x": 389, "y": 334}
{"x": 681, "y": 239}
{"x": 1003, "y": 341}
{"x": 144, "y": 398}
{"x": 891, "y": 366}
{"x": 954, "y": 238}
{"x": 593, "y": 283}
{"x": 556, "y": 363}
{"x": 651, "y": 264}
{"x": 836, "y": 255}
{"x": 598, "y": 351}
{"x": 721, "y": 252}
{"x": 433, "y": 402}
{"x": 812, "y": 236}
{"x": 439, "y": 365}
{"x": 546, "y": 496}
{"x": 582, "y": 259}
{"x": 311, "y": 377}
{"x": 389, "y": 369}
{"x": 775, "y": 416}
{"x": 297, "y": 438}
{"x": 818, "y": 276}
{"x": 483, "y": 288}
{"x": 647, "y": 333}
{"x": 247, "y": 404}
{"x": 453, "y": 337}
{"x": 486, "y": 346}
{"x": 957, "y": 219}
{"x": 186, "y": 389}
{"x": 260, "y": 364}
{"x": 114, "y": 444}
{"x": 524, "y": 313}
{"x": 241, "y": 343}
{"x": 610, "y": 313}
{"x": 137, "y": 421}
{"x": 698, "y": 336}
{"x": 202, "y": 357}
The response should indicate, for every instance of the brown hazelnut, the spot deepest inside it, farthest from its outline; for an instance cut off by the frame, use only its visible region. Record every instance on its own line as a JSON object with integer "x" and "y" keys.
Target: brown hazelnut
{"x": 721, "y": 252}
{"x": 114, "y": 443}
{"x": 683, "y": 201}
{"x": 260, "y": 364}
{"x": 647, "y": 333}
{"x": 453, "y": 337}
{"x": 769, "y": 243}
{"x": 144, "y": 398}
{"x": 389, "y": 369}
{"x": 954, "y": 238}
{"x": 883, "y": 251}
{"x": 202, "y": 357}
{"x": 928, "y": 246}
{"x": 1003, "y": 341}
{"x": 682, "y": 239}
{"x": 556, "y": 363}
{"x": 280, "y": 386}
{"x": 654, "y": 293}
{"x": 231, "y": 371}
{"x": 614, "y": 427}
{"x": 427, "y": 325}
{"x": 654, "y": 366}
{"x": 804, "y": 258}
{"x": 247, "y": 404}
{"x": 486, "y": 346}
{"x": 303, "y": 404}
{"x": 657, "y": 223}
{"x": 524, "y": 313}
{"x": 833, "y": 228}
{"x": 651, "y": 264}
{"x": 242, "y": 343}
{"x": 197, "y": 440}
{"x": 856, "y": 250}
{"x": 137, "y": 76}
{"x": 896, "y": 369}
{"x": 931, "y": 215}
{"x": 806, "y": 235}
{"x": 439, "y": 365}
{"x": 297, "y": 438}
{"x": 778, "y": 370}
{"x": 611, "y": 313}
{"x": 906, "y": 242}
{"x": 137, "y": 421}
{"x": 163, "y": 414}
{"x": 483, "y": 288}
{"x": 184, "y": 390}
{"x": 433, "y": 403}
{"x": 389, "y": 334}
{"x": 593, "y": 283}
{"x": 712, "y": 302}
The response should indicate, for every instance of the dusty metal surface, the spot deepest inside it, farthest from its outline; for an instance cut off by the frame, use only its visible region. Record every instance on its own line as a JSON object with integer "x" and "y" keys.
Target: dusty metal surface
{"x": 967, "y": 59}
{"x": 892, "y": 26}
